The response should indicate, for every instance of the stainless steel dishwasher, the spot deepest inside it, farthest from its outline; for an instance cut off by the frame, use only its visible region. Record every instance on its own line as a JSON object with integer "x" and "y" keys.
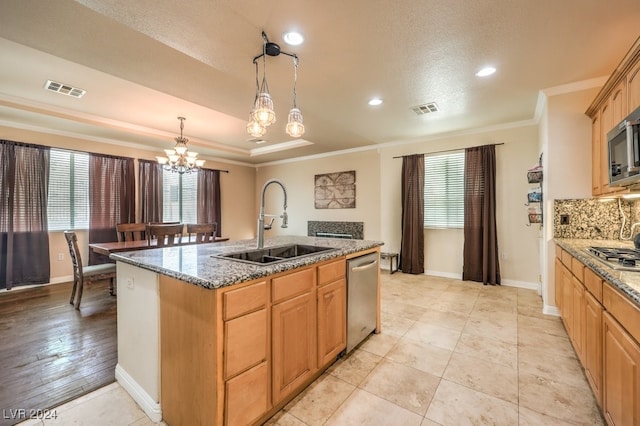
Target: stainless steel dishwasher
{"x": 362, "y": 298}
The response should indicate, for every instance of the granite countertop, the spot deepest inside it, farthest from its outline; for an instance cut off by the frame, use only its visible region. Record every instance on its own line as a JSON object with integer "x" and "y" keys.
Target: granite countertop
{"x": 625, "y": 281}
{"x": 195, "y": 264}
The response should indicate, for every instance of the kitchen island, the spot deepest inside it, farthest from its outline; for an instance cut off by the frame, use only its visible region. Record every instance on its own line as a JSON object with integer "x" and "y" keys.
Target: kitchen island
{"x": 208, "y": 340}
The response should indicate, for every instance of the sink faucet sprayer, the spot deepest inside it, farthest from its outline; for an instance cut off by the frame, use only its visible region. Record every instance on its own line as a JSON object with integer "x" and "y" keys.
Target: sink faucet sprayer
{"x": 284, "y": 216}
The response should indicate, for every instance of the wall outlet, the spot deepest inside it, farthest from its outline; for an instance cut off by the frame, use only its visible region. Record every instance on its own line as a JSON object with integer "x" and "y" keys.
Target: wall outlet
{"x": 564, "y": 219}
{"x": 128, "y": 281}
{"x": 60, "y": 257}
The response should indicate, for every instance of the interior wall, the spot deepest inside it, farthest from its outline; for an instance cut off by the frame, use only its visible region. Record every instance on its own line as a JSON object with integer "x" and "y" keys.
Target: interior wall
{"x": 298, "y": 178}
{"x": 566, "y": 137}
{"x": 237, "y": 191}
{"x": 517, "y": 242}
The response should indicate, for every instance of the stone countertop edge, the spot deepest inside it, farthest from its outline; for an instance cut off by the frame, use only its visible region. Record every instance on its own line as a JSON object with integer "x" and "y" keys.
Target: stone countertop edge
{"x": 627, "y": 282}
{"x": 194, "y": 263}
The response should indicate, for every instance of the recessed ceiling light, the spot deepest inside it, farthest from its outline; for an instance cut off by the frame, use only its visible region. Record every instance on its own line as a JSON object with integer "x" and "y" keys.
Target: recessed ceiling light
{"x": 293, "y": 38}
{"x": 486, "y": 71}
{"x": 375, "y": 102}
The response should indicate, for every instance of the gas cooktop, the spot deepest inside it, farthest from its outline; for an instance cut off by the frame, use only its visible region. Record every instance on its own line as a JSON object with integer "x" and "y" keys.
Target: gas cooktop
{"x": 625, "y": 259}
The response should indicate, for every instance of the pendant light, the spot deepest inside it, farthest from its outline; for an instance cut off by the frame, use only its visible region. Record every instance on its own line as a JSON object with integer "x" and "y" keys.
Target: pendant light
{"x": 295, "y": 128}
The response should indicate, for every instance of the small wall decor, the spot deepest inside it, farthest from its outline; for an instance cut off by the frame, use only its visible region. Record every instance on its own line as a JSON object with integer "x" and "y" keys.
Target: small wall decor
{"x": 335, "y": 190}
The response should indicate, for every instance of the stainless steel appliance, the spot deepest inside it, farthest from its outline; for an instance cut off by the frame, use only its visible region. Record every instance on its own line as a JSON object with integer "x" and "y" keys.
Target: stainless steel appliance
{"x": 624, "y": 151}
{"x": 621, "y": 259}
{"x": 362, "y": 298}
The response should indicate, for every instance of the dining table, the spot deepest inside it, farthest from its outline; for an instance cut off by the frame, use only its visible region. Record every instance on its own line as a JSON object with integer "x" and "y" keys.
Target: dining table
{"x": 120, "y": 246}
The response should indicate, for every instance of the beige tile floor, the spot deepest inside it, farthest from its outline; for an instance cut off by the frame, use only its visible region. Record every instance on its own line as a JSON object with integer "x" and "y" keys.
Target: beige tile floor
{"x": 450, "y": 353}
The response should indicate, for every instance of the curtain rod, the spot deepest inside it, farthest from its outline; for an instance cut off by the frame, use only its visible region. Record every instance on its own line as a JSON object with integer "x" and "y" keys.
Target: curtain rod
{"x": 448, "y": 150}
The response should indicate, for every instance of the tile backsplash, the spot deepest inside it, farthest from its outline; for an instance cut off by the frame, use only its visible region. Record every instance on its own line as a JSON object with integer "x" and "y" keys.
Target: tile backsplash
{"x": 598, "y": 219}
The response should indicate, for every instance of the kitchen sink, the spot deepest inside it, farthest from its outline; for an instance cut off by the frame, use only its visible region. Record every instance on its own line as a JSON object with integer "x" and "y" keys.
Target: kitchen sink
{"x": 269, "y": 255}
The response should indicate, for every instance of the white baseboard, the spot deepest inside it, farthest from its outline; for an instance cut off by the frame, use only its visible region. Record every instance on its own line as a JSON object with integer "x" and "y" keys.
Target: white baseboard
{"x": 506, "y": 283}
{"x": 151, "y": 408}
{"x": 550, "y": 310}
{"x": 521, "y": 284}
{"x": 444, "y": 274}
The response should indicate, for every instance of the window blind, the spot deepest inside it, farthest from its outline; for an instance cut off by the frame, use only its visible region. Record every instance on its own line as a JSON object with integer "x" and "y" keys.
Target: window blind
{"x": 179, "y": 197}
{"x": 444, "y": 190}
{"x": 68, "y": 198}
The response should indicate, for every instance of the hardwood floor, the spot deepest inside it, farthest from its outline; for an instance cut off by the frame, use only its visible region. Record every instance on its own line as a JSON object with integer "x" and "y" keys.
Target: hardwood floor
{"x": 51, "y": 353}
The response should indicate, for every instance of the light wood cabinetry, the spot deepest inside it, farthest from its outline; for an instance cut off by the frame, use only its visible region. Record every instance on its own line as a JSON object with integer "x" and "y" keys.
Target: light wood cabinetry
{"x": 604, "y": 328}
{"x": 621, "y": 404}
{"x": 558, "y": 283}
{"x": 293, "y": 332}
{"x": 235, "y": 355}
{"x": 592, "y": 360}
{"x": 633, "y": 87}
{"x": 619, "y": 96}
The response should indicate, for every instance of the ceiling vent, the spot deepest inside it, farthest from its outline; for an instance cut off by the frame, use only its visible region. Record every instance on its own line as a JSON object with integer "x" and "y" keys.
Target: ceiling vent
{"x": 425, "y": 108}
{"x": 65, "y": 89}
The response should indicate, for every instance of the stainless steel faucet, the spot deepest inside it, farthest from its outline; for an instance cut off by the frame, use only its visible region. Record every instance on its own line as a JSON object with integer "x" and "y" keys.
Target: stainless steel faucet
{"x": 284, "y": 216}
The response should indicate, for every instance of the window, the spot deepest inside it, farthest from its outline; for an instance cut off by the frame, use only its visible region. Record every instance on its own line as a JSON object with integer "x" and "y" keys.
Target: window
{"x": 68, "y": 199}
{"x": 180, "y": 197}
{"x": 444, "y": 190}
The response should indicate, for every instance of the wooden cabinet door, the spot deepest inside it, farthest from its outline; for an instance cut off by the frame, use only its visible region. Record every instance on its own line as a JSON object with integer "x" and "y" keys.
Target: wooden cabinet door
{"x": 606, "y": 123}
{"x": 558, "y": 284}
{"x": 596, "y": 155}
{"x": 293, "y": 343}
{"x": 567, "y": 299}
{"x": 593, "y": 344}
{"x": 332, "y": 321}
{"x": 246, "y": 396}
{"x": 577, "y": 330}
{"x": 619, "y": 103}
{"x": 245, "y": 342}
{"x": 633, "y": 88}
{"x": 621, "y": 375}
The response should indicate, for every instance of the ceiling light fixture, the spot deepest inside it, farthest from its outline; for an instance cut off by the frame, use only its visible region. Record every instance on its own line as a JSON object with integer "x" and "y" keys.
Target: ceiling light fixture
{"x": 293, "y": 38}
{"x": 180, "y": 159}
{"x": 262, "y": 114}
{"x": 486, "y": 71}
{"x": 375, "y": 102}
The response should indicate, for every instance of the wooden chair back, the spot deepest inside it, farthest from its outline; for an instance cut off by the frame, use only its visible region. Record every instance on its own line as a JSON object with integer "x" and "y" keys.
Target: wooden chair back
{"x": 131, "y": 231}
{"x": 204, "y": 232}
{"x": 88, "y": 274}
{"x": 165, "y": 234}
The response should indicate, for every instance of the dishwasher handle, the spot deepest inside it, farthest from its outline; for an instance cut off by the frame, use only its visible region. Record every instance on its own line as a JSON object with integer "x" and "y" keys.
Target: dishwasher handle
{"x": 366, "y": 266}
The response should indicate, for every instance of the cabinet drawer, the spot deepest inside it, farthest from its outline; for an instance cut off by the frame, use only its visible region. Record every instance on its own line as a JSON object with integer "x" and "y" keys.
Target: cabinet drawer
{"x": 243, "y": 300}
{"x": 331, "y": 272}
{"x": 246, "y": 396}
{"x": 593, "y": 283}
{"x": 577, "y": 268}
{"x": 291, "y": 285}
{"x": 245, "y": 342}
{"x": 566, "y": 258}
{"x": 623, "y": 310}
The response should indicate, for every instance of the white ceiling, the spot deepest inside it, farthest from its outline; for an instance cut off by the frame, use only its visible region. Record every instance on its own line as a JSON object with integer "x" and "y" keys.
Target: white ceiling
{"x": 146, "y": 62}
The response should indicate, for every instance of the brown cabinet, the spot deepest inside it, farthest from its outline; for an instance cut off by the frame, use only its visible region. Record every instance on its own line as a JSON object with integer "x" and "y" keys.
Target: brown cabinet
{"x": 558, "y": 284}
{"x": 621, "y": 401}
{"x": 619, "y": 96}
{"x": 332, "y": 320}
{"x": 240, "y": 353}
{"x": 633, "y": 87}
{"x": 577, "y": 328}
{"x": 592, "y": 359}
{"x": 567, "y": 300}
{"x": 293, "y": 334}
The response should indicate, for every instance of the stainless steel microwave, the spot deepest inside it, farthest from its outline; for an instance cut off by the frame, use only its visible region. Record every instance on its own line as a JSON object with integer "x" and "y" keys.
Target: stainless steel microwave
{"x": 624, "y": 151}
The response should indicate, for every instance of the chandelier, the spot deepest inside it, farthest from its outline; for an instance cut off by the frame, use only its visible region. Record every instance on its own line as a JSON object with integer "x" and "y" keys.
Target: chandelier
{"x": 262, "y": 114}
{"x": 180, "y": 159}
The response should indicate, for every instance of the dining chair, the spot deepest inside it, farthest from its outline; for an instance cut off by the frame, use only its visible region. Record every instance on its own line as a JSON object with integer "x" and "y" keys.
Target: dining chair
{"x": 131, "y": 231}
{"x": 204, "y": 232}
{"x": 87, "y": 274}
{"x": 165, "y": 234}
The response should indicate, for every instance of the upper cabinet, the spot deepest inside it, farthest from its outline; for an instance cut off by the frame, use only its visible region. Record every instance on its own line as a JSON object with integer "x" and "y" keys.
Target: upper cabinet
{"x": 619, "y": 96}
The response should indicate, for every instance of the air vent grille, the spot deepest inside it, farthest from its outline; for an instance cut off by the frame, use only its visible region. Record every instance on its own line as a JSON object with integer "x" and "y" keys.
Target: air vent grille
{"x": 65, "y": 89}
{"x": 427, "y": 108}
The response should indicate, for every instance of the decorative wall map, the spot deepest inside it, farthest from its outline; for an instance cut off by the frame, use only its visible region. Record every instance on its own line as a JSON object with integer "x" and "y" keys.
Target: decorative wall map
{"x": 336, "y": 190}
